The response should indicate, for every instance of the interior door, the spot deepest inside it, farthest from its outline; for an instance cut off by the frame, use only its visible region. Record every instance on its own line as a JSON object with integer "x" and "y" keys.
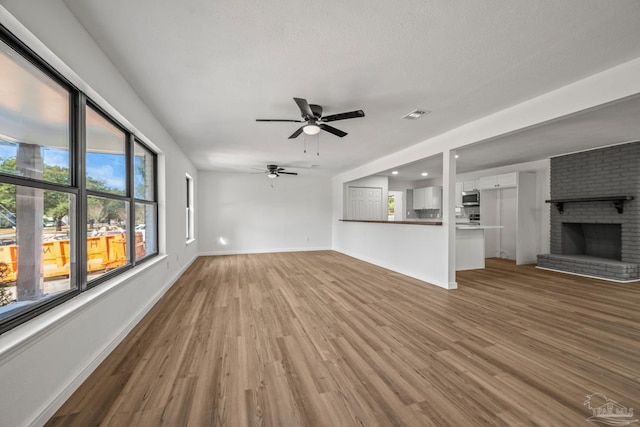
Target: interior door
{"x": 365, "y": 203}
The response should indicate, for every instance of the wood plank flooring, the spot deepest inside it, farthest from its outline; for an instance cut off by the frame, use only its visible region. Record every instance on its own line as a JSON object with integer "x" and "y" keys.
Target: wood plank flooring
{"x": 319, "y": 338}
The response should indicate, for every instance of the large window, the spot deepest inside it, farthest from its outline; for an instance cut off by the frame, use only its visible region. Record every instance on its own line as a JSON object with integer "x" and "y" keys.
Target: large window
{"x": 78, "y": 197}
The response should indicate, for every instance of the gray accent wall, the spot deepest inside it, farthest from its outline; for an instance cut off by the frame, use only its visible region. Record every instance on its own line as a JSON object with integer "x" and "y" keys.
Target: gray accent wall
{"x": 610, "y": 171}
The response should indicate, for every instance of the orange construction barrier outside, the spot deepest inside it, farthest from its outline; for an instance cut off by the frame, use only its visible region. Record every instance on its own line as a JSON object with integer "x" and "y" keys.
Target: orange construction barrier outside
{"x": 103, "y": 253}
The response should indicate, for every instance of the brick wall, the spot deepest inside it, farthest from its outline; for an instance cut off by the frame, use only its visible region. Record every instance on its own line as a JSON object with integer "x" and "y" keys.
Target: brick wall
{"x": 612, "y": 171}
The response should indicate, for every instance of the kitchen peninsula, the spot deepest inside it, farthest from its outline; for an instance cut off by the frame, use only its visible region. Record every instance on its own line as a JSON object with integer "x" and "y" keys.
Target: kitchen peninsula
{"x": 470, "y": 245}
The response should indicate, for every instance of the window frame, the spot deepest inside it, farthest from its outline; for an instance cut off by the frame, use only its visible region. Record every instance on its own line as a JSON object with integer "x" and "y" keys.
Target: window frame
{"x": 190, "y": 216}
{"x": 78, "y": 102}
{"x": 135, "y": 200}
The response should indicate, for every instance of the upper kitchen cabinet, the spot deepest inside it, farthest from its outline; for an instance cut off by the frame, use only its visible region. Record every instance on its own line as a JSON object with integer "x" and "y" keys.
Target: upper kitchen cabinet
{"x": 427, "y": 198}
{"x": 505, "y": 180}
{"x": 470, "y": 185}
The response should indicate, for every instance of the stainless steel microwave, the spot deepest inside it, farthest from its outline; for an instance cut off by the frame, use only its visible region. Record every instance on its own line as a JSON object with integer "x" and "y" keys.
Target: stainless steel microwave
{"x": 471, "y": 198}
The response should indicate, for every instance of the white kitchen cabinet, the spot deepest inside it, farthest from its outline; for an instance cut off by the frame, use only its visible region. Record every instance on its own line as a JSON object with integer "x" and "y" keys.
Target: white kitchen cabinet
{"x": 418, "y": 198}
{"x": 507, "y": 180}
{"x": 427, "y": 198}
{"x": 433, "y": 198}
{"x": 493, "y": 182}
{"x": 470, "y": 185}
{"x": 488, "y": 182}
{"x": 459, "y": 190}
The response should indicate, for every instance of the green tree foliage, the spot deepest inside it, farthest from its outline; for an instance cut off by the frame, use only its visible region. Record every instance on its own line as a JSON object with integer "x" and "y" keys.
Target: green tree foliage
{"x": 56, "y": 204}
{"x": 8, "y": 198}
{"x": 140, "y": 174}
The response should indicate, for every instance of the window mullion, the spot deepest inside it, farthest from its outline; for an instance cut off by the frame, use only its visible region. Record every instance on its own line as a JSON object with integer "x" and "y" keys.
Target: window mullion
{"x": 131, "y": 235}
{"x": 79, "y": 173}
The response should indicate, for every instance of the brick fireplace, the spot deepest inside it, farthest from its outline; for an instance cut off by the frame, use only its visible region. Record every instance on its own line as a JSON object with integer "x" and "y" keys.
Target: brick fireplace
{"x": 595, "y": 213}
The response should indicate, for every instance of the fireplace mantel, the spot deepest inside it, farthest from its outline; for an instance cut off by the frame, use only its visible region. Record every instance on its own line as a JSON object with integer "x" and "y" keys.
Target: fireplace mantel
{"x": 618, "y": 201}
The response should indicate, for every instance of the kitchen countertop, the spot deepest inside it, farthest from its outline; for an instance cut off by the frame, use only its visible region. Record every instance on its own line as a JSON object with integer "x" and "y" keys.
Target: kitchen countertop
{"x": 459, "y": 226}
{"x": 394, "y": 222}
{"x": 477, "y": 227}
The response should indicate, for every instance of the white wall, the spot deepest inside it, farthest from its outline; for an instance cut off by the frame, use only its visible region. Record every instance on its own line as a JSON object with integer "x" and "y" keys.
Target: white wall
{"x": 400, "y": 184}
{"x": 414, "y": 250}
{"x": 429, "y": 182}
{"x": 251, "y": 216}
{"x": 44, "y": 360}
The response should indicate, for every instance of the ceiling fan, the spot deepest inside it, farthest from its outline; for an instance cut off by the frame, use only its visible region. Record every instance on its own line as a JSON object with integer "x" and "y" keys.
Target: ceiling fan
{"x": 273, "y": 171}
{"x": 314, "y": 121}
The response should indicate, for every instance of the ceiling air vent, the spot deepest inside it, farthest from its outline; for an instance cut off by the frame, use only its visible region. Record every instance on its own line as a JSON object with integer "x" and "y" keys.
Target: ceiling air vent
{"x": 415, "y": 114}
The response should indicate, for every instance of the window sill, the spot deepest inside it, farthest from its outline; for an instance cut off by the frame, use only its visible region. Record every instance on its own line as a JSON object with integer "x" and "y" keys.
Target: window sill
{"x": 15, "y": 340}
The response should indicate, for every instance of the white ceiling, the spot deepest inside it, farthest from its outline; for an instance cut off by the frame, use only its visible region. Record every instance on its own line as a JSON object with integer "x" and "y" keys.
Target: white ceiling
{"x": 208, "y": 69}
{"x": 606, "y": 125}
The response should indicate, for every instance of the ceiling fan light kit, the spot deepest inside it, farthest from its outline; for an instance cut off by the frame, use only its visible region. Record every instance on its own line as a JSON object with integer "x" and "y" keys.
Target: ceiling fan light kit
{"x": 273, "y": 171}
{"x": 311, "y": 129}
{"x": 314, "y": 121}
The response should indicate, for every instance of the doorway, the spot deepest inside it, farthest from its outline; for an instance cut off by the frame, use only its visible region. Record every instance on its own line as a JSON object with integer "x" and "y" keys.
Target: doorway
{"x": 395, "y": 206}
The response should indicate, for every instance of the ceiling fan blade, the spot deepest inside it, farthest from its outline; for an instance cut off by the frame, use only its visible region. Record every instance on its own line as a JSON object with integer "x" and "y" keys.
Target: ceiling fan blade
{"x": 343, "y": 116}
{"x": 279, "y": 120}
{"x": 331, "y": 129}
{"x": 289, "y": 173}
{"x": 296, "y": 133}
{"x": 304, "y": 107}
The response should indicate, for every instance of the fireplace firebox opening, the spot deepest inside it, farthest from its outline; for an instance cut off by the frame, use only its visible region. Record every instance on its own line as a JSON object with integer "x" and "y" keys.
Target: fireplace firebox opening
{"x": 591, "y": 239}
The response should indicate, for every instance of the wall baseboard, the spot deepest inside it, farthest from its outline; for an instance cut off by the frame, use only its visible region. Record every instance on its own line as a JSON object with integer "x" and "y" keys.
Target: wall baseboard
{"x": 50, "y": 408}
{"x": 263, "y": 251}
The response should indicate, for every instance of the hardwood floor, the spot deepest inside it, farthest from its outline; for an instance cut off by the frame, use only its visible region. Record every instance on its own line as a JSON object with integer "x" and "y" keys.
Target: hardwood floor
{"x": 319, "y": 338}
